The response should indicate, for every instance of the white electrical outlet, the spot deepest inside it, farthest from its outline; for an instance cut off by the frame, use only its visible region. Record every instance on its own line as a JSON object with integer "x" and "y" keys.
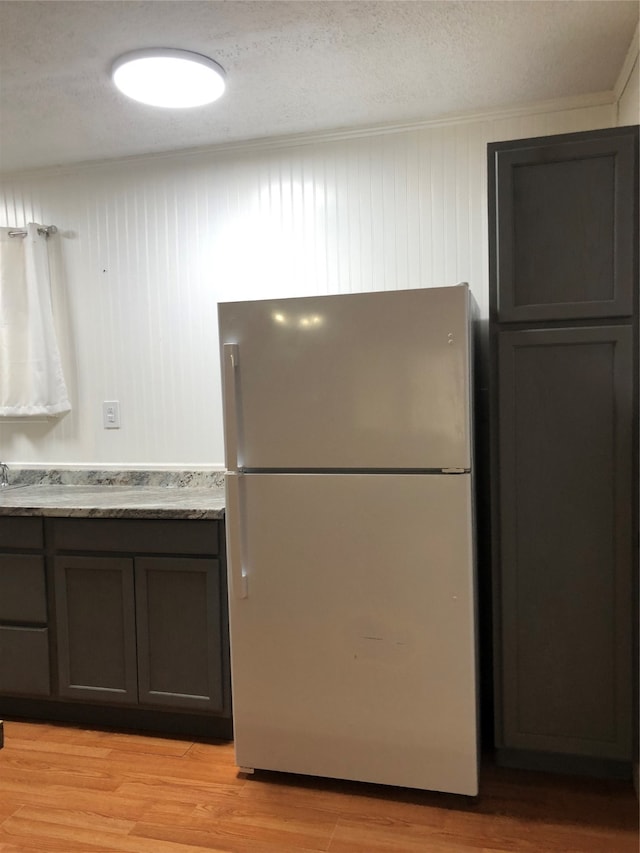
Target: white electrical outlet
{"x": 111, "y": 414}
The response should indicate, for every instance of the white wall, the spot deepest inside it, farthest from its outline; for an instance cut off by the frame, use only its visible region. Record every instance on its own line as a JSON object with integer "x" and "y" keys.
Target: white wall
{"x": 147, "y": 247}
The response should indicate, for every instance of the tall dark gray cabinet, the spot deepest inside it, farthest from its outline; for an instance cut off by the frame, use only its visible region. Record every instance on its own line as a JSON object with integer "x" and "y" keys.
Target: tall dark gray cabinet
{"x": 563, "y": 221}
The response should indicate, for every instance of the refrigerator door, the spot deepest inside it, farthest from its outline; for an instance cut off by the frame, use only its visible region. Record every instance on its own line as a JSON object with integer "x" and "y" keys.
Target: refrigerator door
{"x": 363, "y": 380}
{"x": 352, "y": 627}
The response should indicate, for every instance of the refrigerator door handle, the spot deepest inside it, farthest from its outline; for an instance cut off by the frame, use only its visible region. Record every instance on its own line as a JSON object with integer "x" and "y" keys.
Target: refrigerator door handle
{"x": 235, "y": 549}
{"x": 231, "y": 354}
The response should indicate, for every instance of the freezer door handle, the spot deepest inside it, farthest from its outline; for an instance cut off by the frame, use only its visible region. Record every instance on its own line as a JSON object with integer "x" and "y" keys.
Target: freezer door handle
{"x": 231, "y": 356}
{"x": 235, "y": 542}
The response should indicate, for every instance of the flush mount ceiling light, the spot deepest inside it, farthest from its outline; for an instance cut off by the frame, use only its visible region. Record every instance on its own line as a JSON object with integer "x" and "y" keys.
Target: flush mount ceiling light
{"x": 168, "y": 77}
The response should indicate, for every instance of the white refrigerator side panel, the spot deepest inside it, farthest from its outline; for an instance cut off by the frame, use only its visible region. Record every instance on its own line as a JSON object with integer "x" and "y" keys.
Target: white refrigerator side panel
{"x": 370, "y": 380}
{"x": 353, "y": 654}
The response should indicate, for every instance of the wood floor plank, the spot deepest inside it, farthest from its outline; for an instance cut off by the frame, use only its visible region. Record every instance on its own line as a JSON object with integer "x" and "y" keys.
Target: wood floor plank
{"x": 56, "y": 732}
{"x": 168, "y": 812}
{"x": 43, "y": 744}
{"x": 358, "y": 836}
{"x": 52, "y": 773}
{"x": 71, "y": 816}
{"x": 290, "y": 826}
{"x": 80, "y": 799}
{"x": 11, "y": 844}
{"x": 56, "y": 837}
{"x": 163, "y": 789}
{"x": 33, "y": 731}
{"x": 24, "y": 836}
{"x": 222, "y": 840}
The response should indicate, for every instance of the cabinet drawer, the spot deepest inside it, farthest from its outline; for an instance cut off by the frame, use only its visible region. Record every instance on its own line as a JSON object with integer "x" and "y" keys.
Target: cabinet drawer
{"x": 23, "y": 595}
{"x": 137, "y": 536}
{"x": 24, "y": 661}
{"x": 21, "y": 532}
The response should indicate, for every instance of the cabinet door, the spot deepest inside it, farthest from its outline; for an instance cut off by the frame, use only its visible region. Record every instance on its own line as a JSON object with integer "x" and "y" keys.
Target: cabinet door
{"x": 179, "y": 619}
{"x": 563, "y": 219}
{"x": 95, "y": 624}
{"x": 565, "y": 555}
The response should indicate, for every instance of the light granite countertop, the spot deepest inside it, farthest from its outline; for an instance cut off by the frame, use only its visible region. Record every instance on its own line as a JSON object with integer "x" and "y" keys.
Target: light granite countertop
{"x": 124, "y": 495}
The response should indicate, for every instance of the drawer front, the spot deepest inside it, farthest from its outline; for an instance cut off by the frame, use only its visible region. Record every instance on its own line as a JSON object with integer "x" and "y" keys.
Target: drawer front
{"x": 138, "y": 536}
{"x": 24, "y": 661}
{"x": 21, "y": 532}
{"x": 23, "y": 596}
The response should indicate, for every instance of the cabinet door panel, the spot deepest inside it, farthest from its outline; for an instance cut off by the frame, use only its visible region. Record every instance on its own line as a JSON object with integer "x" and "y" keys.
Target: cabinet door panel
{"x": 565, "y": 459}
{"x": 178, "y": 608}
{"x": 96, "y": 628}
{"x": 564, "y": 221}
{"x": 24, "y": 661}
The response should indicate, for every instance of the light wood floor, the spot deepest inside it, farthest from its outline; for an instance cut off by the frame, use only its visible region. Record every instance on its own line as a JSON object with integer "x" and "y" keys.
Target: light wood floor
{"x": 70, "y": 790}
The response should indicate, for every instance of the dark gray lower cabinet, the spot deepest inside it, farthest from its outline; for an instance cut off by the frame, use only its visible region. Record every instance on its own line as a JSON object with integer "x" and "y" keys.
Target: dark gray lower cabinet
{"x": 145, "y": 630}
{"x": 564, "y": 671}
{"x": 115, "y": 621}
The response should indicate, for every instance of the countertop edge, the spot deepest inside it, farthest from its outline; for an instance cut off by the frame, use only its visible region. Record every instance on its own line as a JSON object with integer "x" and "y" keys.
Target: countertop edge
{"x": 112, "y": 512}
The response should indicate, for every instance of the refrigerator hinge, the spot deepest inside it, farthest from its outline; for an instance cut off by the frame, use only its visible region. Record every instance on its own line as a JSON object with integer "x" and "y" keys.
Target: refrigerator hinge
{"x": 453, "y": 470}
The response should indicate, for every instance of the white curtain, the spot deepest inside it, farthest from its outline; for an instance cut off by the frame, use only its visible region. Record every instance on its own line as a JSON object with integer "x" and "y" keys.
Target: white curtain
{"x": 31, "y": 378}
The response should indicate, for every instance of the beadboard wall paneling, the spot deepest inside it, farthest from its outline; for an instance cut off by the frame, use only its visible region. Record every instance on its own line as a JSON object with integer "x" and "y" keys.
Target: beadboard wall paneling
{"x": 147, "y": 247}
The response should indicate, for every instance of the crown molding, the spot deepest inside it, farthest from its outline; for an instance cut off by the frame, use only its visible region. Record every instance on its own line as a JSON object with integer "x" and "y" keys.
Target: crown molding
{"x": 627, "y": 66}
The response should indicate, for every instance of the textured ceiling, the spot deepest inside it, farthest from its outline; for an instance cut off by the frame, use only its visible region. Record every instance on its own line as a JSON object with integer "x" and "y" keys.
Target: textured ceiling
{"x": 292, "y": 67}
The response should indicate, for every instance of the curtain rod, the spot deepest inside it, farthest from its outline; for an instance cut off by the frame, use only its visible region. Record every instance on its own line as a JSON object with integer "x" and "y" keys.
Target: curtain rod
{"x": 43, "y": 230}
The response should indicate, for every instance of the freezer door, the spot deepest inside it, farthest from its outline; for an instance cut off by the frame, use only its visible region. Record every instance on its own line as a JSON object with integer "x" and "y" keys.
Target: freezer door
{"x": 366, "y": 380}
{"x": 352, "y": 627}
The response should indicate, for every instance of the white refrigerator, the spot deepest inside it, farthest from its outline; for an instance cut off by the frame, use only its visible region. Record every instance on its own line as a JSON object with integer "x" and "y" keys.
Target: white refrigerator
{"x": 350, "y": 536}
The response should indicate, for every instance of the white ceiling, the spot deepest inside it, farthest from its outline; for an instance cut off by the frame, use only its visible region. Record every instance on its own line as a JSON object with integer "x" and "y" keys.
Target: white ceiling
{"x": 292, "y": 67}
